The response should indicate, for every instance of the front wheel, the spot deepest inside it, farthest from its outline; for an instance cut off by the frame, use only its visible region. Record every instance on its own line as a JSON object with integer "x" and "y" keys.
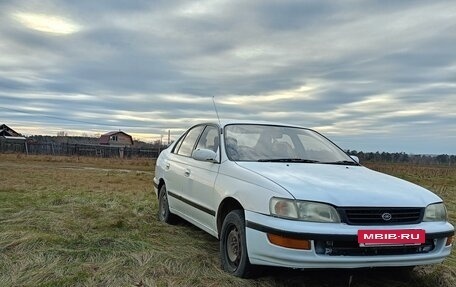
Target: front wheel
{"x": 233, "y": 248}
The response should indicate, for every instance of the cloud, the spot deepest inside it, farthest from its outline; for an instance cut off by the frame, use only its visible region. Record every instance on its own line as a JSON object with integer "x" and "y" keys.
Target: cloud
{"x": 372, "y": 75}
{"x": 47, "y": 23}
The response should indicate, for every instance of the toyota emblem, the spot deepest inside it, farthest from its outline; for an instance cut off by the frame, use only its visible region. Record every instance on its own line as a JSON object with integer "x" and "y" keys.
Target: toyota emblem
{"x": 386, "y": 216}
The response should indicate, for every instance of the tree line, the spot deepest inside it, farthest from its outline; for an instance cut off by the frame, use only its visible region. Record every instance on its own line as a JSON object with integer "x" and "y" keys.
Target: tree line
{"x": 402, "y": 157}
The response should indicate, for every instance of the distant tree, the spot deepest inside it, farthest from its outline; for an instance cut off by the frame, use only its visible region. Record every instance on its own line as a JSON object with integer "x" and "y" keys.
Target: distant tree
{"x": 386, "y": 156}
{"x": 443, "y": 158}
{"x": 62, "y": 134}
{"x": 361, "y": 156}
{"x": 404, "y": 157}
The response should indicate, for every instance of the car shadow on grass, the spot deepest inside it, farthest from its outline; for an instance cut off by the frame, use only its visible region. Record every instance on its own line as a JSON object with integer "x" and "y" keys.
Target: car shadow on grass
{"x": 340, "y": 277}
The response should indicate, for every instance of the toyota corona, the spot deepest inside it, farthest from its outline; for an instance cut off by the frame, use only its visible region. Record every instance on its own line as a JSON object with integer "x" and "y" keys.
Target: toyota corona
{"x": 283, "y": 195}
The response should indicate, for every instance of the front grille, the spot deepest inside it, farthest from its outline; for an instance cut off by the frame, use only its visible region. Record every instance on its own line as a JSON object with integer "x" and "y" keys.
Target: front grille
{"x": 379, "y": 215}
{"x": 352, "y": 248}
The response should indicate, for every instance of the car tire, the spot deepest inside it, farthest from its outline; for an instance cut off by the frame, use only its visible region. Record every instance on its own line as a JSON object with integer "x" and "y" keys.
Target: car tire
{"x": 164, "y": 214}
{"x": 233, "y": 248}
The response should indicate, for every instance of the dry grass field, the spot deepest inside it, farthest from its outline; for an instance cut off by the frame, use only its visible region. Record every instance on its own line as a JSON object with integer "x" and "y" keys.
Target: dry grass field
{"x": 92, "y": 222}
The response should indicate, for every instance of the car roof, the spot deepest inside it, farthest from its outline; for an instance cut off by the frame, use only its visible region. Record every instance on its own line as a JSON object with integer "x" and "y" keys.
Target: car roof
{"x": 225, "y": 122}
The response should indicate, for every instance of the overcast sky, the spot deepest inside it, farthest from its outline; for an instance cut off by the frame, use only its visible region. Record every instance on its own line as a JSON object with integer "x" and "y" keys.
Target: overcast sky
{"x": 370, "y": 75}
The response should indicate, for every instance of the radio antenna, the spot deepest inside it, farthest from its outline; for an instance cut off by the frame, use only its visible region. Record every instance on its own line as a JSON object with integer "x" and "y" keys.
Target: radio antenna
{"x": 215, "y": 108}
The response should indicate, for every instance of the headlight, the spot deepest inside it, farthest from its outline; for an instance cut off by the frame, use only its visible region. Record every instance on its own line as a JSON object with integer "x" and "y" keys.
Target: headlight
{"x": 303, "y": 210}
{"x": 317, "y": 212}
{"x": 435, "y": 212}
{"x": 282, "y": 207}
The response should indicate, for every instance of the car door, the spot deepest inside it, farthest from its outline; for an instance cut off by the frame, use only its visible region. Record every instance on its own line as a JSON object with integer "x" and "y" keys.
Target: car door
{"x": 176, "y": 171}
{"x": 199, "y": 188}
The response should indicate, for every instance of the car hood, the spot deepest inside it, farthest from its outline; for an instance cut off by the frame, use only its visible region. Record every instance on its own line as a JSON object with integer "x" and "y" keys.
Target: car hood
{"x": 342, "y": 185}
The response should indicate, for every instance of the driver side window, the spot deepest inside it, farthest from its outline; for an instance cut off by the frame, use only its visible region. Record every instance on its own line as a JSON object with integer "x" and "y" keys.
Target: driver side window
{"x": 209, "y": 139}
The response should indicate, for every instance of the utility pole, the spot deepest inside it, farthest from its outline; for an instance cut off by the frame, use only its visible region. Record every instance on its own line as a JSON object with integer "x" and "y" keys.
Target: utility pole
{"x": 160, "y": 144}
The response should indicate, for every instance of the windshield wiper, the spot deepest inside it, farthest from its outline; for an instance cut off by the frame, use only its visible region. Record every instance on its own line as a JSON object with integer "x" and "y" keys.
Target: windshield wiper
{"x": 341, "y": 162}
{"x": 288, "y": 160}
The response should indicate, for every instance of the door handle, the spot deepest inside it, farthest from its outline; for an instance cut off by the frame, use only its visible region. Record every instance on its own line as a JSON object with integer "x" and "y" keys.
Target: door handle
{"x": 187, "y": 172}
{"x": 167, "y": 166}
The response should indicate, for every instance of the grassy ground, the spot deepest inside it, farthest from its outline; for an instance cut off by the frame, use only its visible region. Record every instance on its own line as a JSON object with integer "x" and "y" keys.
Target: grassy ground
{"x": 92, "y": 222}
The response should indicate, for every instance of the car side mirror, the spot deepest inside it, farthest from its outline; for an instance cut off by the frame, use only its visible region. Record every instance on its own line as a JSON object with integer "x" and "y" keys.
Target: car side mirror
{"x": 204, "y": 155}
{"x": 355, "y": 158}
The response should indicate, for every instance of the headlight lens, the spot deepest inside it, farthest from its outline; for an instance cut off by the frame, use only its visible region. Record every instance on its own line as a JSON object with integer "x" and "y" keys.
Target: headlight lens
{"x": 435, "y": 212}
{"x": 317, "y": 212}
{"x": 282, "y": 207}
{"x": 303, "y": 210}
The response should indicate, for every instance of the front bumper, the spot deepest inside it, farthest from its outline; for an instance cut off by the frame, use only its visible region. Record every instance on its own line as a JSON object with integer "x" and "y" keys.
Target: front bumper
{"x": 262, "y": 252}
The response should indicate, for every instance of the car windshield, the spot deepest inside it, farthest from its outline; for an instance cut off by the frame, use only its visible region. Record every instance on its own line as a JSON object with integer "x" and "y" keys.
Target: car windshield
{"x": 268, "y": 143}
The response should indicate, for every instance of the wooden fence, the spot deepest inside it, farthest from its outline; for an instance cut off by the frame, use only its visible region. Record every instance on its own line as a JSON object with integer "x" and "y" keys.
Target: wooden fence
{"x": 66, "y": 149}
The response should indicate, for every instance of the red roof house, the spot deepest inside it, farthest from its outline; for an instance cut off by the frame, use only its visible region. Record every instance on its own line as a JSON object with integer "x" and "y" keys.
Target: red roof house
{"x": 116, "y": 138}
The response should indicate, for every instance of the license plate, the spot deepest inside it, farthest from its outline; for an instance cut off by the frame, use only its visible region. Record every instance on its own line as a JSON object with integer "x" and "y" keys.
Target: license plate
{"x": 393, "y": 237}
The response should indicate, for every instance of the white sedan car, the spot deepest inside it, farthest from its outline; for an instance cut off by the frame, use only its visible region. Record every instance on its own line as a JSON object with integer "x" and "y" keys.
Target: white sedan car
{"x": 283, "y": 195}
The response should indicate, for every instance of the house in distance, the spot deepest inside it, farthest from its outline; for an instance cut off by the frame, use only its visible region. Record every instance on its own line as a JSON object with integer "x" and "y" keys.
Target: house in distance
{"x": 12, "y": 140}
{"x": 116, "y": 139}
{"x": 6, "y": 131}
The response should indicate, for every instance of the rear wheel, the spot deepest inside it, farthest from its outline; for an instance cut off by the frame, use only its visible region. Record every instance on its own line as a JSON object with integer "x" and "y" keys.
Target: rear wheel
{"x": 233, "y": 248}
{"x": 164, "y": 214}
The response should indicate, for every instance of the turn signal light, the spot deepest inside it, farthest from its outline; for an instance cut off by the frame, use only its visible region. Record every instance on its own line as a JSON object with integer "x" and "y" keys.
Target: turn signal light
{"x": 449, "y": 240}
{"x": 289, "y": 242}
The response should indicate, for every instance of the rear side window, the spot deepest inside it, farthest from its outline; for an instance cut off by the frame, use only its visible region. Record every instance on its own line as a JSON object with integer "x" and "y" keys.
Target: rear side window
{"x": 189, "y": 141}
{"x": 178, "y": 144}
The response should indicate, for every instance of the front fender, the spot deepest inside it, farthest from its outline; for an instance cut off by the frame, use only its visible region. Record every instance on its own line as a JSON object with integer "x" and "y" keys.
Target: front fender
{"x": 250, "y": 189}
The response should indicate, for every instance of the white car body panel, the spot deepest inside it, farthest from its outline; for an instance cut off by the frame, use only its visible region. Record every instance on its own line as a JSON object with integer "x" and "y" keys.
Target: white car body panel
{"x": 343, "y": 185}
{"x": 251, "y": 190}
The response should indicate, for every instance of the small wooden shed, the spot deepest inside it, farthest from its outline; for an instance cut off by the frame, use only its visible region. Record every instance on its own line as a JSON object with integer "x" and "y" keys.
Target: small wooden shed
{"x": 12, "y": 141}
{"x": 6, "y": 131}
